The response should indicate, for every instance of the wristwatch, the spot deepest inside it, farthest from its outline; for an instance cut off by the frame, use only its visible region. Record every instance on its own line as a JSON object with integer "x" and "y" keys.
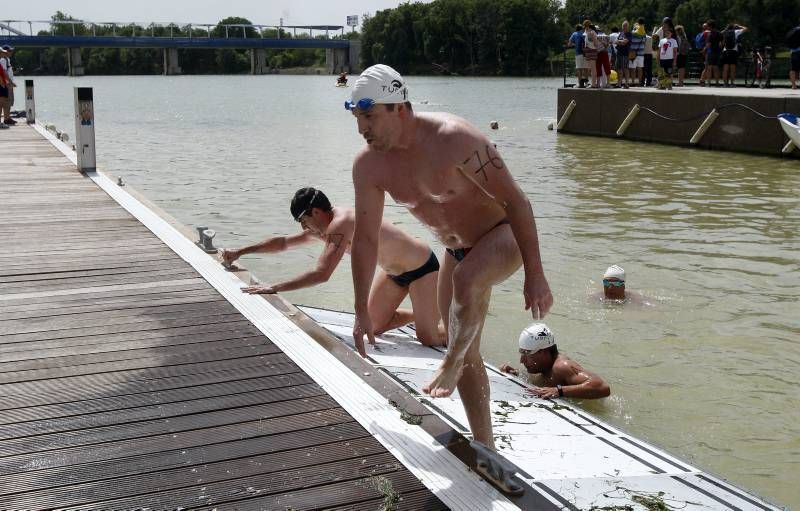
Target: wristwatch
{"x": 560, "y": 390}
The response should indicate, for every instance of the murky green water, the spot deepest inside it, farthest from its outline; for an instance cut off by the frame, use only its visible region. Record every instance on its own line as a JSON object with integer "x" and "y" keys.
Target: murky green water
{"x": 708, "y": 371}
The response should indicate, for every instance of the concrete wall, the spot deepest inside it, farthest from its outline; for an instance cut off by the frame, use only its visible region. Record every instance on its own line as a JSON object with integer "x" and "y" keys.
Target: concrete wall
{"x": 258, "y": 61}
{"x": 172, "y": 65}
{"x": 355, "y": 56}
{"x": 600, "y": 113}
{"x": 74, "y": 62}
{"x": 336, "y": 60}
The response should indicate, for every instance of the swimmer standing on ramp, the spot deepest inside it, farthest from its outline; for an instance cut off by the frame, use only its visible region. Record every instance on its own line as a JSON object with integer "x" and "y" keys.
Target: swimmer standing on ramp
{"x": 485, "y": 222}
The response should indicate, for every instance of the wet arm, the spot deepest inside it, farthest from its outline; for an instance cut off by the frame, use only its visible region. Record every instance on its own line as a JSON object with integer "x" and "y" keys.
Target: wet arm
{"x": 276, "y": 244}
{"x": 579, "y": 383}
{"x": 335, "y": 246}
{"x": 491, "y": 173}
{"x": 518, "y": 210}
{"x": 364, "y": 250}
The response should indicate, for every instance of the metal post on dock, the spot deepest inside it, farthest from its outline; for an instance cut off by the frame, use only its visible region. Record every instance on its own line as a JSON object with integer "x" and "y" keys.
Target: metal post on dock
{"x": 30, "y": 107}
{"x": 712, "y": 116}
{"x": 567, "y": 112}
{"x": 84, "y": 129}
{"x": 628, "y": 120}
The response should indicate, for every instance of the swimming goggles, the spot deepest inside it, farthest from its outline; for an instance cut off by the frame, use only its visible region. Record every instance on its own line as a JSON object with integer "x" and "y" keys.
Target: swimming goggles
{"x": 306, "y": 211}
{"x": 361, "y": 104}
{"x": 615, "y": 283}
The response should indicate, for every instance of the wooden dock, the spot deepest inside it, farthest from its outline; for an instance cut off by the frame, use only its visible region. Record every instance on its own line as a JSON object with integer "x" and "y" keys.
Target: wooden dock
{"x": 128, "y": 381}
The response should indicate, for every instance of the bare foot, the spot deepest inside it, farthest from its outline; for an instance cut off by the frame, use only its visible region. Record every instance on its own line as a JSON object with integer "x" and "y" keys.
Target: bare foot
{"x": 445, "y": 380}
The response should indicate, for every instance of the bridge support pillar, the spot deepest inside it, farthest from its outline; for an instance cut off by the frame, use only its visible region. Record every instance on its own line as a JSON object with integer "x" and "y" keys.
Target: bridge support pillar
{"x": 171, "y": 64}
{"x": 258, "y": 61}
{"x": 354, "y": 56}
{"x": 336, "y": 60}
{"x": 74, "y": 62}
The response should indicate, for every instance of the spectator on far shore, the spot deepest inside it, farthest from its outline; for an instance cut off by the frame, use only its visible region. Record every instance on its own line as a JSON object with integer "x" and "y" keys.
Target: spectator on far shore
{"x": 700, "y": 44}
{"x": 668, "y": 57}
{"x": 713, "y": 52}
{"x": 683, "y": 53}
{"x": 730, "y": 53}
{"x": 590, "y": 50}
{"x": 6, "y": 85}
{"x": 647, "y": 70}
{"x": 603, "y": 63}
{"x": 576, "y": 41}
{"x": 636, "y": 44}
{"x": 623, "y": 42}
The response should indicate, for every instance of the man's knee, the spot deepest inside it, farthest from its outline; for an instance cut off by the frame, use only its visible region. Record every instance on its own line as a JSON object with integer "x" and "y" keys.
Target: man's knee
{"x": 467, "y": 287}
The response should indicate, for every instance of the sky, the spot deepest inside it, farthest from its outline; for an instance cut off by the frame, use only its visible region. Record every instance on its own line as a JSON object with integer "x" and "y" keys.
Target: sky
{"x": 263, "y": 12}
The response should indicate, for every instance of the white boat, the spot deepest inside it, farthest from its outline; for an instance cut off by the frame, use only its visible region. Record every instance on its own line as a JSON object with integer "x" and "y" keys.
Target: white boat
{"x": 791, "y": 126}
{"x": 562, "y": 453}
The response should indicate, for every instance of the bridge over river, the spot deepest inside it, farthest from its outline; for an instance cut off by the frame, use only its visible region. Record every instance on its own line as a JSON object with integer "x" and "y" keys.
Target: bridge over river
{"x": 72, "y": 35}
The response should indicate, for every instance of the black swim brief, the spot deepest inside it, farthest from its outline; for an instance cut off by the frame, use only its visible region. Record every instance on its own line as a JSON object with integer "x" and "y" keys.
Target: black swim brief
{"x": 458, "y": 253}
{"x": 405, "y": 279}
{"x": 461, "y": 253}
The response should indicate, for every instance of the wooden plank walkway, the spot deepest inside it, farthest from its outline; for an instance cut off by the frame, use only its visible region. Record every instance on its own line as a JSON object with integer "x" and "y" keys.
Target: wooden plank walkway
{"x": 127, "y": 381}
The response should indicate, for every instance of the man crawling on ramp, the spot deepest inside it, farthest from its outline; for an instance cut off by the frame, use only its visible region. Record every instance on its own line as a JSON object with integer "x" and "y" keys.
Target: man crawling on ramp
{"x": 408, "y": 266}
{"x": 451, "y": 178}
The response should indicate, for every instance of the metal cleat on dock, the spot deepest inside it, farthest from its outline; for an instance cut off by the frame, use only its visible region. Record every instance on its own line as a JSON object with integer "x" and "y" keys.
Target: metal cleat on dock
{"x": 206, "y": 240}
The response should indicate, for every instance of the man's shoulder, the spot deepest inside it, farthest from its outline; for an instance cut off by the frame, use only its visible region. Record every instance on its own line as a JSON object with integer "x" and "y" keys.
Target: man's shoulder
{"x": 366, "y": 159}
{"x": 565, "y": 366}
{"x": 344, "y": 220}
{"x": 444, "y": 128}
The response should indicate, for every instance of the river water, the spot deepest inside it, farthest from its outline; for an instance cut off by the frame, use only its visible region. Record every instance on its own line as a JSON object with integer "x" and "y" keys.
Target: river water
{"x": 708, "y": 369}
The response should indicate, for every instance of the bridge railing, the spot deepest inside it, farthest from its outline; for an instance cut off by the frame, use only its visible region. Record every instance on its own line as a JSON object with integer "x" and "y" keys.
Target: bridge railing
{"x": 160, "y": 29}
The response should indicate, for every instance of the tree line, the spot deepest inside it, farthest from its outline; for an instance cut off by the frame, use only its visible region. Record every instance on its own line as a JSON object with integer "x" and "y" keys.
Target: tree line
{"x": 516, "y": 37}
{"x": 466, "y": 37}
{"x": 477, "y": 37}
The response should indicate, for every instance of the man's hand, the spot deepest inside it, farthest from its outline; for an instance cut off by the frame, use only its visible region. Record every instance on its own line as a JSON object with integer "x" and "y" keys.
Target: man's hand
{"x": 537, "y": 295}
{"x": 229, "y": 256}
{"x": 362, "y": 327}
{"x": 543, "y": 392}
{"x": 505, "y": 368}
{"x": 259, "y": 290}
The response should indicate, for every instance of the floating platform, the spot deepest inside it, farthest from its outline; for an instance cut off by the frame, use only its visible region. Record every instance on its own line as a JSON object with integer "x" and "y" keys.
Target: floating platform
{"x": 727, "y": 119}
{"x": 562, "y": 452}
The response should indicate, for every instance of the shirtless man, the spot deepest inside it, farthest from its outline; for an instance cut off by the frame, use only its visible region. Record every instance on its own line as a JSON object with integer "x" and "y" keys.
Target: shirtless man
{"x": 557, "y": 374}
{"x": 451, "y": 178}
{"x": 408, "y": 266}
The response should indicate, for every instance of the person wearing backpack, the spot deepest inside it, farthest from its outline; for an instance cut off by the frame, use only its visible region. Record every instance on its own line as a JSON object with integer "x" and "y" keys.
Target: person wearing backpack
{"x": 713, "y": 52}
{"x": 730, "y": 52}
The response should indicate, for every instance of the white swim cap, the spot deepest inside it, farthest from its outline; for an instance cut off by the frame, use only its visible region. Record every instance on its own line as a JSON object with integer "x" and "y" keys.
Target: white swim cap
{"x": 614, "y": 272}
{"x": 536, "y": 337}
{"x": 378, "y": 84}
